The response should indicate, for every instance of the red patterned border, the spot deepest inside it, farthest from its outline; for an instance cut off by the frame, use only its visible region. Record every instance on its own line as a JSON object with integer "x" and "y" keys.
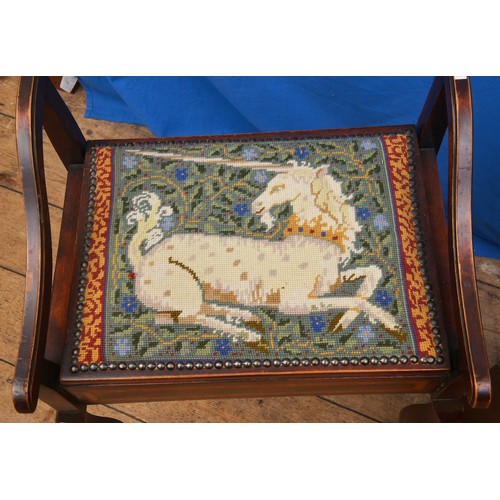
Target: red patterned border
{"x": 396, "y": 147}
{"x": 91, "y": 348}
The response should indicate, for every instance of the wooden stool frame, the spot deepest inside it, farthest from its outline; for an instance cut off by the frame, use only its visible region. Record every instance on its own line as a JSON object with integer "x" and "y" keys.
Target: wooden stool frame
{"x": 462, "y": 383}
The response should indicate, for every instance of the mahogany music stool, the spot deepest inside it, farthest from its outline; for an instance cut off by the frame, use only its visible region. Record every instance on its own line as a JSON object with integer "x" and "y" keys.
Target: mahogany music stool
{"x": 291, "y": 263}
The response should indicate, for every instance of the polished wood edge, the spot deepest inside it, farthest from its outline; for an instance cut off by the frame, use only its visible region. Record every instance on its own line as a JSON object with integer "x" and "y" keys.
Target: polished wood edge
{"x": 249, "y": 387}
{"x": 250, "y": 136}
{"x": 61, "y": 127}
{"x": 433, "y": 120}
{"x": 26, "y": 383}
{"x": 65, "y": 269}
{"x": 460, "y": 135}
{"x": 439, "y": 236}
{"x": 74, "y": 258}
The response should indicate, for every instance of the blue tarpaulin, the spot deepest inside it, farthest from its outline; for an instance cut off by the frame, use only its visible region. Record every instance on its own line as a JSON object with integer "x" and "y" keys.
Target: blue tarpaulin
{"x": 172, "y": 106}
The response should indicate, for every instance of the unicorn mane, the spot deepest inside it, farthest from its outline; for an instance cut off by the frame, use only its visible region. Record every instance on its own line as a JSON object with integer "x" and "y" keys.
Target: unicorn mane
{"x": 330, "y": 200}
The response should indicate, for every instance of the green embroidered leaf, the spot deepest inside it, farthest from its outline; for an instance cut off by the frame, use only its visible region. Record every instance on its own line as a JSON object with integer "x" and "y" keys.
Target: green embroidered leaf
{"x": 284, "y": 339}
{"x": 136, "y": 337}
{"x": 321, "y": 345}
{"x": 384, "y": 235}
{"x": 170, "y": 329}
{"x": 198, "y": 194}
{"x": 225, "y": 199}
{"x": 202, "y": 344}
{"x": 385, "y": 280}
{"x": 388, "y": 343}
{"x": 344, "y": 338}
{"x": 302, "y": 329}
{"x": 395, "y": 308}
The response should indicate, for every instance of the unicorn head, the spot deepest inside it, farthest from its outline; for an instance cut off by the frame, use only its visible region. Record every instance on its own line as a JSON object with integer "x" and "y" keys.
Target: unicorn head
{"x": 286, "y": 186}
{"x": 314, "y": 195}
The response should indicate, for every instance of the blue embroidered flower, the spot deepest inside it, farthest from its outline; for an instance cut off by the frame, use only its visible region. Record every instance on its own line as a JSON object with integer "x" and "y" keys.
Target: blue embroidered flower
{"x": 260, "y": 176}
{"x": 317, "y": 323}
{"x": 129, "y": 303}
{"x": 181, "y": 174}
{"x": 366, "y": 144}
{"x": 250, "y": 154}
{"x": 380, "y": 222}
{"x": 223, "y": 346}
{"x": 241, "y": 209}
{"x": 130, "y": 161}
{"x": 383, "y": 298}
{"x": 365, "y": 332}
{"x": 301, "y": 152}
{"x": 122, "y": 346}
{"x": 167, "y": 223}
{"x": 363, "y": 213}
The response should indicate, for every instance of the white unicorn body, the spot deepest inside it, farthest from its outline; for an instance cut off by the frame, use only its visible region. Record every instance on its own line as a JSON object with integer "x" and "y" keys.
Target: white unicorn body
{"x": 197, "y": 278}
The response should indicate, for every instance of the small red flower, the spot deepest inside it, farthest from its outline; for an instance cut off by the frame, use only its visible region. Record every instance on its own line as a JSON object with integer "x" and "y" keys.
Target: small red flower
{"x": 131, "y": 276}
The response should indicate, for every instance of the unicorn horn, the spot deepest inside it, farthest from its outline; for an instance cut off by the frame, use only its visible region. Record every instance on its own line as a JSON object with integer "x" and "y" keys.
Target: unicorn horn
{"x": 276, "y": 167}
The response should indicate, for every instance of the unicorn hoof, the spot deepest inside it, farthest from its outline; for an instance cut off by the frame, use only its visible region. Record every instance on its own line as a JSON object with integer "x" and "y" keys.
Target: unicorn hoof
{"x": 256, "y": 325}
{"x": 261, "y": 345}
{"x": 167, "y": 318}
{"x": 397, "y": 332}
{"x": 335, "y": 325}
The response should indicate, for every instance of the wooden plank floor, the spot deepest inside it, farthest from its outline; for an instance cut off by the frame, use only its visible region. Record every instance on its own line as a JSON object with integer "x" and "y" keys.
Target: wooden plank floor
{"x": 373, "y": 408}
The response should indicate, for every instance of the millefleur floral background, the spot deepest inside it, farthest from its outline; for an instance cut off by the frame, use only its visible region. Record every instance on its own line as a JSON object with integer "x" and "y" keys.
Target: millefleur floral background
{"x": 216, "y": 199}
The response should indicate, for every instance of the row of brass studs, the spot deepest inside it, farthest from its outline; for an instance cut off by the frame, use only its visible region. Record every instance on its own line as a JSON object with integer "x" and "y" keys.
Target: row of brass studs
{"x": 267, "y": 363}
{"x": 82, "y": 280}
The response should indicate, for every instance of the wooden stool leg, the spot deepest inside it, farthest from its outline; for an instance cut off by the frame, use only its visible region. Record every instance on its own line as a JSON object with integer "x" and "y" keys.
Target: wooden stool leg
{"x": 421, "y": 413}
{"x": 456, "y": 409}
{"x": 83, "y": 417}
{"x": 67, "y": 408}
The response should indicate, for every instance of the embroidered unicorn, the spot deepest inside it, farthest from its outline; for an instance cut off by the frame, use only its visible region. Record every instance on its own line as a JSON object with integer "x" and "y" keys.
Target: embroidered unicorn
{"x": 215, "y": 280}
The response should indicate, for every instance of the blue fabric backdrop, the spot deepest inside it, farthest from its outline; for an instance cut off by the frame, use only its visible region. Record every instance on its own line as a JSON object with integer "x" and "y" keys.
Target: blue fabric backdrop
{"x": 171, "y": 106}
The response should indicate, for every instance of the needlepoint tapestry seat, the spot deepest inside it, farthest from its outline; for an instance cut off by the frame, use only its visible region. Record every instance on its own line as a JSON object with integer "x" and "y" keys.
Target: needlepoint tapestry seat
{"x": 267, "y": 253}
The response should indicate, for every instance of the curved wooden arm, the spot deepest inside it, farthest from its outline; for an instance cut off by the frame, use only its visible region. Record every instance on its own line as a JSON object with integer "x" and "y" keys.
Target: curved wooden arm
{"x": 38, "y": 105}
{"x": 460, "y": 148}
{"x": 39, "y": 249}
{"x": 449, "y": 106}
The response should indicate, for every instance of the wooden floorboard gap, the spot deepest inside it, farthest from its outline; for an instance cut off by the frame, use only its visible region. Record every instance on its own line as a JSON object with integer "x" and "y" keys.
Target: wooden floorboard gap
{"x": 488, "y": 284}
{"x": 111, "y": 407}
{"x": 7, "y": 115}
{"x": 12, "y": 271}
{"x": 349, "y": 409}
{"x": 20, "y": 192}
{"x": 7, "y": 362}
